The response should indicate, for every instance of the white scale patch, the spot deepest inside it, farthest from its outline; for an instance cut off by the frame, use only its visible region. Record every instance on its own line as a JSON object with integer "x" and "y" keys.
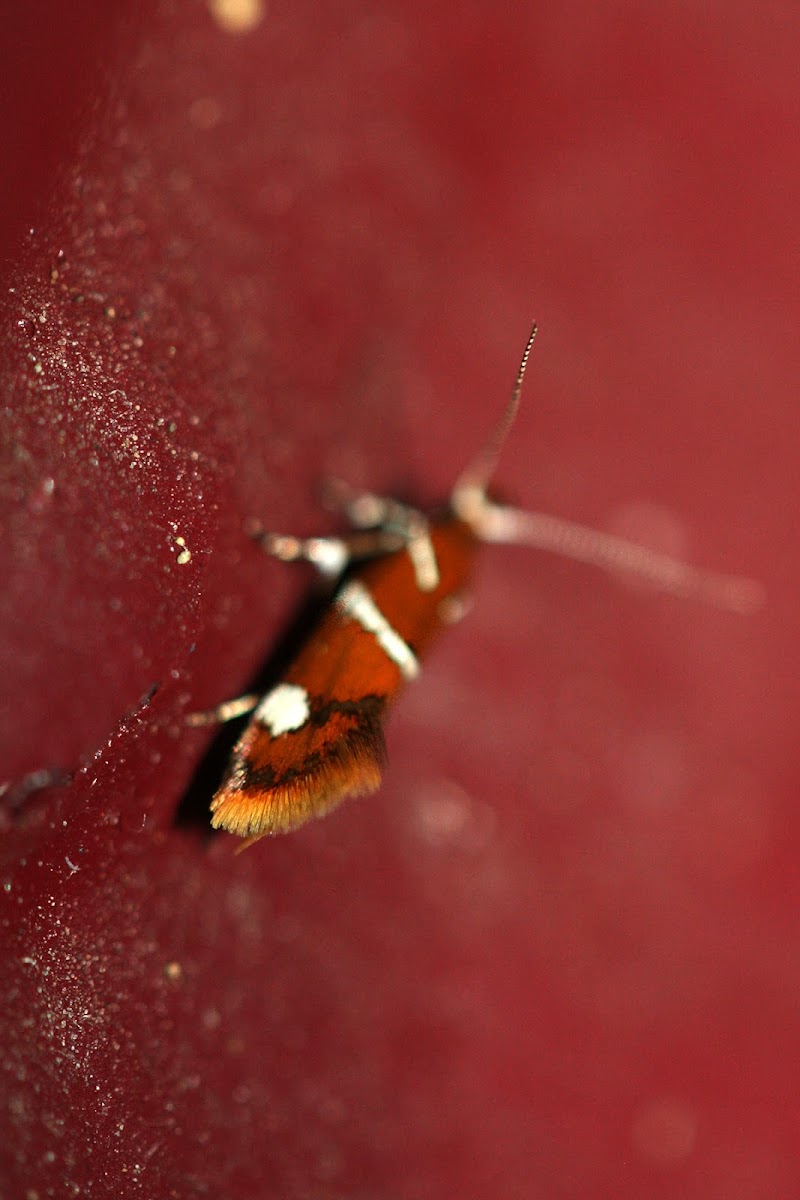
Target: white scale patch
{"x": 284, "y": 709}
{"x": 355, "y": 601}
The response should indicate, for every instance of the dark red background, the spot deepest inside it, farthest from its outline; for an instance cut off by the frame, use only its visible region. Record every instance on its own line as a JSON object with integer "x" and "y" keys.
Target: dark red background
{"x": 559, "y": 953}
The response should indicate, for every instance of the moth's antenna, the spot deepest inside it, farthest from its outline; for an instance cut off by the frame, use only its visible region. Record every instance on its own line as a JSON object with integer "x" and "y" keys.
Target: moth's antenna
{"x": 474, "y": 481}
{"x": 496, "y": 523}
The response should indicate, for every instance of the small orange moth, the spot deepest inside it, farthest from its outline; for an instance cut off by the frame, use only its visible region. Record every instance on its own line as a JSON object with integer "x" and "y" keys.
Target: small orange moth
{"x": 316, "y": 737}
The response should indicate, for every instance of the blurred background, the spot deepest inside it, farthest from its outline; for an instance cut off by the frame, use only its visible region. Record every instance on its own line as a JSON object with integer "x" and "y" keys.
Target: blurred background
{"x": 248, "y": 245}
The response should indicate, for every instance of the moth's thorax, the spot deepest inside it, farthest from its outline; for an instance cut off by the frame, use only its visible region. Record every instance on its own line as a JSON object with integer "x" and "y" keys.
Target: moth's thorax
{"x": 382, "y": 620}
{"x": 417, "y": 614}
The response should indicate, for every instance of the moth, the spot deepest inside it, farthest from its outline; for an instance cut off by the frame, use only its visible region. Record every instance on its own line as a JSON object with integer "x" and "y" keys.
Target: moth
{"x": 316, "y": 737}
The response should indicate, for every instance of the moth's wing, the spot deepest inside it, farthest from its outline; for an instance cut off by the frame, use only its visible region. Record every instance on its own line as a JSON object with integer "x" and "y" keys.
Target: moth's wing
{"x": 277, "y": 781}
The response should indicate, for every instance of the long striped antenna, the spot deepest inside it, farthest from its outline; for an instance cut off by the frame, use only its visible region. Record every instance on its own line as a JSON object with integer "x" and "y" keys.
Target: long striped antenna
{"x": 475, "y": 478}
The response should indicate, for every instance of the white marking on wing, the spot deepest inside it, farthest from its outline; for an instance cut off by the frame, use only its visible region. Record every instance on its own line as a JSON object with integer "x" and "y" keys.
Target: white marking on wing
{"x": 355, "y": 601}
{"x": 284, "y": 709}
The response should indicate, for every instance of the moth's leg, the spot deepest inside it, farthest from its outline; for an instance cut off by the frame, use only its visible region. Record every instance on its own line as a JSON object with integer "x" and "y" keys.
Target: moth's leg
{"x": 229, "y": 710}
{"x": 363, "y": 510}
{"x": 397, "y": 524}
{"x": 330, "y": 555}
{"x": 381, "y": 525}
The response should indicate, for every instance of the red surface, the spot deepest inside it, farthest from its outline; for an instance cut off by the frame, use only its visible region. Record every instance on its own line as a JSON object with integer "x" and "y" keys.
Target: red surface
{"x": 558, "y": 954}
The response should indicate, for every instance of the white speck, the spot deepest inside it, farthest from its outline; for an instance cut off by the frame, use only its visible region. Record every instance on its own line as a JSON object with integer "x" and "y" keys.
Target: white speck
{"x": 665, "y": 1131}
{"x": 211, "y": 1019}
{"x": 653, "y": 771}
{"x": 284, "y": 709}
{"x": 445, "y": 817}
{"x": 184, "y": 554}
{"x": 237, "y": 16}
{"x": 205, "y": 112}
{"x": 453, "y": 609}
{"x": 355, "y": 602}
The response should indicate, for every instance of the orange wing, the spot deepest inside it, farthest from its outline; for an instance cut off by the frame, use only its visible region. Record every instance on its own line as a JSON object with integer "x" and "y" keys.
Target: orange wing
{"x": 317, "y": 737}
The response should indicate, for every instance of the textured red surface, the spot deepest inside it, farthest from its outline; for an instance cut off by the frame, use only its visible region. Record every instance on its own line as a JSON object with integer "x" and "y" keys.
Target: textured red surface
{"x": 558, "y": 954}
